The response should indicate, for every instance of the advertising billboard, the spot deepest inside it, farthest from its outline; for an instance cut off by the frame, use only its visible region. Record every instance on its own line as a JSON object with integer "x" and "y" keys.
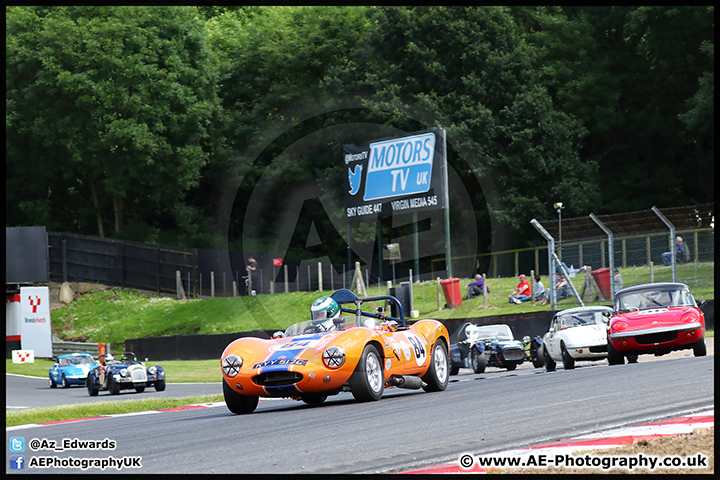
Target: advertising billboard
{"x": 28, "y": 316}
{"x": 395, "y": 175}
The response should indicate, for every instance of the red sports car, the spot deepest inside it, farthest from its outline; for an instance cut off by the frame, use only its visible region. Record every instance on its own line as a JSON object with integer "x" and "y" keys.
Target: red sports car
{"x": 655, "y": 318}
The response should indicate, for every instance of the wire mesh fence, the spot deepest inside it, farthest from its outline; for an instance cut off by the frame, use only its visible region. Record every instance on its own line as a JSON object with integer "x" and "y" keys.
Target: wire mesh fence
{"x": 639, "y": 242}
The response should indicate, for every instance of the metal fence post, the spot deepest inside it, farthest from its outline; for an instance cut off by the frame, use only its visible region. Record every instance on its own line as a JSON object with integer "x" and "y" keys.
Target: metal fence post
{"x": 320, "y": 279}
{"x": 611, "y": 254}
{"x": 672, "y": 241}
{"x": 551, "y": 258}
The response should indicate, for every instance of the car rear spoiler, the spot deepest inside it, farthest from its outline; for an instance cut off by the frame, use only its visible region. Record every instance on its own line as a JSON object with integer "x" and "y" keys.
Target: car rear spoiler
{"x": 345, "y": 296}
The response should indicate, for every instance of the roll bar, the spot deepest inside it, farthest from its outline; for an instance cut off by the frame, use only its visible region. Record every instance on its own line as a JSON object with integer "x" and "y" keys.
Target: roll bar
{"x": 345, "y": 296}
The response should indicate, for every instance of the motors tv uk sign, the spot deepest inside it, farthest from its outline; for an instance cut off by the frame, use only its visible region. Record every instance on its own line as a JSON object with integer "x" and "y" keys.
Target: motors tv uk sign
{"x": 395, "y": 175}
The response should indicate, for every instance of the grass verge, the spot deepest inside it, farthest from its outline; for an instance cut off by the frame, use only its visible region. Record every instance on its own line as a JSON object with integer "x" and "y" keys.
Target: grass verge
{"x": 94, "y": 409}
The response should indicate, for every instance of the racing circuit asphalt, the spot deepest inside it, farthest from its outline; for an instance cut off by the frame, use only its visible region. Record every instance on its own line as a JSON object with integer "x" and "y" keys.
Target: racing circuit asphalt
{"x": 406, "y": 429}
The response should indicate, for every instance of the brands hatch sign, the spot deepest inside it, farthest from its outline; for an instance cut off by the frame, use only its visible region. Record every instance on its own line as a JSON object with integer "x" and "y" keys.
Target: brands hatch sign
{"x": 397, "y": 175}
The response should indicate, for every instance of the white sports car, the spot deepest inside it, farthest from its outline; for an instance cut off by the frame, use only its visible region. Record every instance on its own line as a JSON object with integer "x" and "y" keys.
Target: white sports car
{"x": 576, "y": 334}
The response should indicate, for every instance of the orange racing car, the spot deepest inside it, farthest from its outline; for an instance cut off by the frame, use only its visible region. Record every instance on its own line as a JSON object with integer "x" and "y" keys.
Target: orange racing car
{"x": 363, "y": 353}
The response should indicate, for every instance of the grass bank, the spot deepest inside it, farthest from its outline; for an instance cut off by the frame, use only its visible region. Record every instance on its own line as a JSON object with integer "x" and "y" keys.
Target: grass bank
{"x": 114, "y": 315}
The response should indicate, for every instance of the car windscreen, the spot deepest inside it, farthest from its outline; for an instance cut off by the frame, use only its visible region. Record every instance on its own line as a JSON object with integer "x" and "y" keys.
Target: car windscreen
{"x": 593, "y": 317}
{"x": 77, "y": 360}
{"x": 656, "y": 298}
{"x": 308, "y": 326}
{"x": 500, "y": 332}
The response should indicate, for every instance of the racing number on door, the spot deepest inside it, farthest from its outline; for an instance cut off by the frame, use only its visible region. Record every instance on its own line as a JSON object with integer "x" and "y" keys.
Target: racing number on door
{"x": 418, "y": 348}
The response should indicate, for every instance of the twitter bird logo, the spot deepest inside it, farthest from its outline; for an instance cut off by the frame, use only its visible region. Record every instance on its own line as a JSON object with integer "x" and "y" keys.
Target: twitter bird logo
{"x": 354, "y": 178}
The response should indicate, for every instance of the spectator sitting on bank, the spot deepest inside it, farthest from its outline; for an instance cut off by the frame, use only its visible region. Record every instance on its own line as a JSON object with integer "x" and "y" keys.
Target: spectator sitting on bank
{"x": 561, "y": 287}
{"x": 522, "y": 292}
{"x": 679, "y": 253}
{"x": 476, "y": 288}
{"x": 540, "y": 291}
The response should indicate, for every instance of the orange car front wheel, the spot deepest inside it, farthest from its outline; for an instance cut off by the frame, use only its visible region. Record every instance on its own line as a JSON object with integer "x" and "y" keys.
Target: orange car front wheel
{"x": 367, "y": 382}
{"x": 236, "y": 403}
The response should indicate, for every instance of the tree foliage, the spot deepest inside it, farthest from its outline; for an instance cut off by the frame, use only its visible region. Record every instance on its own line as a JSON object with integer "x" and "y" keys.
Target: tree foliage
{"x": 158, "y": 123}
{"x": 113, "y": 103}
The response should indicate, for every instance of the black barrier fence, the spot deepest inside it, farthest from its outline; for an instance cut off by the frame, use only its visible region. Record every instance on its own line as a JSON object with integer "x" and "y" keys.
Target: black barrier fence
{"x": 211, "y": 346}
{"x": 187, "y": 347}
{"x": 203, "y": 272}
{"x": 81, "y": 258}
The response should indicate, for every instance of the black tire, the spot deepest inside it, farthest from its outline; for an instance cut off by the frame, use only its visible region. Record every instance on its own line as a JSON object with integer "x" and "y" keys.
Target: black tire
{"x": 367, "y": 382}
{"x": 699, "y": 348}
{"x": 238, "y": 404}
{"x": 478, "y": 361}
{"x": 51, "y": 381}
{"x": 160, "y": 385}
{"x": 139, "y": 389}
{"x": 437, "y": 376}
{"x": 511, "y": 366}
{"x": 549, "y": 362}
{"x": 454, "y": 369}
{"x": 632, "y": 358}
{"x": 113, "y": 387}
{"x": 568, "y": 361}
{"x": 91, "y": 388}
{"x": 614, "y": 357}
{"x": 313, "y": 398}
{"x": 65, "y": 383}
{"x": 536, "y": 354}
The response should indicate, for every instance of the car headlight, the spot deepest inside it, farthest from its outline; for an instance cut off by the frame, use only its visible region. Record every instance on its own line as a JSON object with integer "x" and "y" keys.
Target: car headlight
{"x": 619, "y": 326}
{"x": 333, "y": 357}
{"x": 152, "y": 370}
{"x": 124, "y": 372}
{"x": 231, "y": 365}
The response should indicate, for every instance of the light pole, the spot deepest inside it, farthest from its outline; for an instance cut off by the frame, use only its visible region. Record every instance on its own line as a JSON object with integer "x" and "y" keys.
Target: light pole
{"x": 559, "y": 207}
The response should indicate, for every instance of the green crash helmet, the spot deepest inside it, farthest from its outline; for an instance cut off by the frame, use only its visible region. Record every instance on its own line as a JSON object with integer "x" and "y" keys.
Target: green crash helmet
{"x": 322, "y": 309}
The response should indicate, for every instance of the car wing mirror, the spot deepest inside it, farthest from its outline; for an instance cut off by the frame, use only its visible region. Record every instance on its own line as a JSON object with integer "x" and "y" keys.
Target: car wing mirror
{"x": 700, "y": 303}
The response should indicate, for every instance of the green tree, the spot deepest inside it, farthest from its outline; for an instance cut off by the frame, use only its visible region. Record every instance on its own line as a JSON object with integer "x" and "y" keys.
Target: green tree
{"x": 640, "y": 79}
{"x": 111, "y": 105}
{"x": 473, "y": 72}
{"x": 276, "y": 67}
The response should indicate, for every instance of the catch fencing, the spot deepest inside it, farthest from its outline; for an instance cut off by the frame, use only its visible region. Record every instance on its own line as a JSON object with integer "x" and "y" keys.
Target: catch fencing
{"x": 639, "y": 240}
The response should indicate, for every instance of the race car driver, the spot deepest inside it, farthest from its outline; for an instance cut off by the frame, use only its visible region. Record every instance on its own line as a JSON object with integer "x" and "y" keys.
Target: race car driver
{"x": 323, "y": 311}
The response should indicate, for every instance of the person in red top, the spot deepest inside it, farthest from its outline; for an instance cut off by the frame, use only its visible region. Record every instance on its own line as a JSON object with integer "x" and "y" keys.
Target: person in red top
{"x": 522, "y": 292}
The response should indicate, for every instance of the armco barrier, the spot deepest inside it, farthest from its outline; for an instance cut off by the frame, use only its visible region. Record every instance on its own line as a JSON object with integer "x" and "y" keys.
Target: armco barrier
{"x": 211, "y": 346}
{"x": 60, "y": 348}
{"x": 187, "y": 347}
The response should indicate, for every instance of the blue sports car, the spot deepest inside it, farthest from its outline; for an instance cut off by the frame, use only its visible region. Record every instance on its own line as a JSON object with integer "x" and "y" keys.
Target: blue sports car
{"x": 70, "y": 369}
{"x": 479, "y": 346}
